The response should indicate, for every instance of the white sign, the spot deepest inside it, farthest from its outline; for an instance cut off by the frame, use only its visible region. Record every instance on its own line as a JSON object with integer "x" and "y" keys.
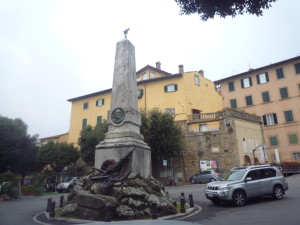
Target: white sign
{"x": 165, "y": 162}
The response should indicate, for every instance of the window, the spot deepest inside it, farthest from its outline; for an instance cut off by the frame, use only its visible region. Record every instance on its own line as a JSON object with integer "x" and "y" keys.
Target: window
{"x": 231, "y": 86}
{"x": 249, "y": 100}
{"x": 171, "y": 88}
{"x": 284, "y": 92}
{"x": 85, "y": 105}
{"x": 273, "y": 141}
{"x": 145, "y": 77}
{"x": 99, "y": 120}
{"x": 293, "y": 139}
{"x": 152, "y": 75}
{"x": 140, "y": 93}
{"x": 203, "y": 127}
{"x": 266, "y": 96}
{"x": 279, "y": 73}
{"x": 170, "y": 111}
{"x": 262, "y": 78}
{"x": 197, "y": 80}
{"x": 297, "y": 68}
{"x": 84, "y": 123}
{"x": 233, "y": 103}
{"x": 270, "y": 119}
{"x": 138, "y": 79}
{"x": 288, "y": 116}
{"x": 246, "y": 82}
{"x": 296, "y": 155}
{"x": 100, "y": 102}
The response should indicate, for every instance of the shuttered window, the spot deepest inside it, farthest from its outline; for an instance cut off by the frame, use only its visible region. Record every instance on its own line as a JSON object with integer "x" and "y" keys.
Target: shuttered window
{"x": 279, "y": 73}
{"x": 284, "y": 92}
{"x": 270, "y": 119}
{"x": 297, "y": 68}
{"x": 231, "y": 86}
{"x": 246, "y": 82}
{"x": 249, "y": 100}
{"x": 288, "y": 116}
{"x": 84, "y": 123}
{"x": 273, "y": 141}
{"x": 233, "y": 103}
{"x": 266, "y": 96}
{"x": 171, "y": 88}
{"x": 99, "y": 120}
{"x": 100, "y": 102}
{"x": 293, "y": 139}
{"x": 262, "y": 78}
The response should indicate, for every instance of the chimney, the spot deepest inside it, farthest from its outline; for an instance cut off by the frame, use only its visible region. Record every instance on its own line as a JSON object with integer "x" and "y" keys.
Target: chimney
{"x": 201, "y": 72}
{"x": 180, "y": 67}
{"x": 158, "y": 64}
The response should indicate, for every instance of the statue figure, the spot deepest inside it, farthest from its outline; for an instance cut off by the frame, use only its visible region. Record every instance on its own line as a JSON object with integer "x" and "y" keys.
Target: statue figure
{"x": 126, "y": 32}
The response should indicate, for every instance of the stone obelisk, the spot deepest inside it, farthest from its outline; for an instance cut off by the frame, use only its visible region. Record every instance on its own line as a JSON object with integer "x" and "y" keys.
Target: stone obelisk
{"x": 123, "y": 118}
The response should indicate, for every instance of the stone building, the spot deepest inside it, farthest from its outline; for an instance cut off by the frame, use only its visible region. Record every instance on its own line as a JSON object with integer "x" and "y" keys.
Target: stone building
{"x": 237, "y": 142}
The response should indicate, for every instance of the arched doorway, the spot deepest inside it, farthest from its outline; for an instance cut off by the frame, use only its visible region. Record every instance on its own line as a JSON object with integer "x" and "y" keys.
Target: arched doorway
{"x": 256, "y": 161}
{"x": 247, "y": 160}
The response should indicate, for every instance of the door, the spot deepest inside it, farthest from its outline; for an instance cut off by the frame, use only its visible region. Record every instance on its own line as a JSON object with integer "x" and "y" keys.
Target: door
{"x": 253, "y": 187}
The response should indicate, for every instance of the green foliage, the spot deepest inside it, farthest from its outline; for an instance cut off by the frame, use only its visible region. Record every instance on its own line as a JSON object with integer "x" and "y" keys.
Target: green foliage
{"x": 18, "y": 150}
{"x": 89, "y": 138}
{"x": 207, "y": 9}
{"x": 58, "y": 155}
{"x": 161, "y": 133}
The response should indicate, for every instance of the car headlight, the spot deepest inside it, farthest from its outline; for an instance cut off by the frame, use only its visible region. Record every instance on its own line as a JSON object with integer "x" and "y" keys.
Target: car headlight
{"x": 224, "y": 188}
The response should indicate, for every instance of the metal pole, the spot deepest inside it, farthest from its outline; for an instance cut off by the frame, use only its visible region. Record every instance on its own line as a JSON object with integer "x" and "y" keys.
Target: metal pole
{"x": 20, "y": 190}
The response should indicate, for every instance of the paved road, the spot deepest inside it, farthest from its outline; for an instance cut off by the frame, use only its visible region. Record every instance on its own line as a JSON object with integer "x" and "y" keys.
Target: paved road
{"x": 262, "y": 211}
{"x": 21, "y": 211}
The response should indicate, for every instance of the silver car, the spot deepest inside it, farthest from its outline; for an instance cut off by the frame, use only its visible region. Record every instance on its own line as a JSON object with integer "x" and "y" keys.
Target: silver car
{"x": 205, "y": 176}
{"x": 66, "y": 186}
{"x": 248, "y": 182}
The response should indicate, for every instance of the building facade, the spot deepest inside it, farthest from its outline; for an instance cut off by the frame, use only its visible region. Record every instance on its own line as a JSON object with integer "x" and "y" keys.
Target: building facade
{"x": 273, "y": 93}
{"x": 61, "y": 138}
{"x": 183, "y": 94}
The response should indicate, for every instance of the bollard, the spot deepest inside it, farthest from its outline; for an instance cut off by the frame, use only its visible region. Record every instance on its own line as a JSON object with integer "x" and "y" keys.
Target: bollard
{"x": 52, "y": 209}
{"x": 182, "y": 204}
{"x": 191, "y": 201}
{"x": 48, "y": 204}
{"x": 154, "y": 210}
{"x": 108, "y": 217}
{"x": 61, "y": 202}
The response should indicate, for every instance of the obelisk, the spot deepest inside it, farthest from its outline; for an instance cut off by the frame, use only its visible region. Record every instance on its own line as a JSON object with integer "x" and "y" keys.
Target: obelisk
{"x": 123, "y": 118}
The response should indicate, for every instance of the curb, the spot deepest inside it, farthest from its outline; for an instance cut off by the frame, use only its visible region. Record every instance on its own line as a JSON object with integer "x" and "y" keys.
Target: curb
{"x": 189, "y": 212}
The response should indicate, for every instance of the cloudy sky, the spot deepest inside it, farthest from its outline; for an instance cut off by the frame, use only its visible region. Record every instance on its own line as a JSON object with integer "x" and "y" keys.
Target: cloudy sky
{"x": 54, "y": 50}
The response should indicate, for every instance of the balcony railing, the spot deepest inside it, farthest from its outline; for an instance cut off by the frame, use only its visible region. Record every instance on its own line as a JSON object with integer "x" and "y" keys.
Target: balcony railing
{"x": 208, "y": 117}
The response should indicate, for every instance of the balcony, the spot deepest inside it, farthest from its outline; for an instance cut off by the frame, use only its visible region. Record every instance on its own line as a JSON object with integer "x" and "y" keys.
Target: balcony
{"x": 215, "y": 116}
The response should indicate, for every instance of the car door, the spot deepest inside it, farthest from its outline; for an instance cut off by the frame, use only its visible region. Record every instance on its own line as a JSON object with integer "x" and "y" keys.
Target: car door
{"x": 205, "y": 177}
{"x": 266, "y": 181}
{"x": 253, "y": 187}
{"x": 200, "y": 177}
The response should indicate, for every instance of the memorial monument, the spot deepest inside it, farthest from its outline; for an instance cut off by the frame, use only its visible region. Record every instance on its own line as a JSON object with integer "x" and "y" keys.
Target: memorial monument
{"x": 124, "y": 120}
{"x": 121, "y": 180}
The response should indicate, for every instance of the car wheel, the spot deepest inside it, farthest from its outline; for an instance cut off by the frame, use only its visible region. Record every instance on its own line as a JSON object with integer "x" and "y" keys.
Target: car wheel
{"x": 239, "y": 198}
{"x": 193, "y": 181}
{"x": 277, "y": 192}
{"x": 212, "y": 179}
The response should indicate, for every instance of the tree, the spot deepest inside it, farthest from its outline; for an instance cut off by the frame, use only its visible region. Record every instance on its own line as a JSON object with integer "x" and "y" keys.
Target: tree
{"x": 164, "y": 137}
{"x": 207, "y": 9}
{"x": 58, "y": 155}
{"x": 18, "y": 150}
{"x": 89, "y": 138}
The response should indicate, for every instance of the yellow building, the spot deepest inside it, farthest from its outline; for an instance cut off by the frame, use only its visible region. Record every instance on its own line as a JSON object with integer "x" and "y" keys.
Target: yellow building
{"x": 185, "y": 95}
{"x": 272, "y": 92}
{"x": 61, "y": 138}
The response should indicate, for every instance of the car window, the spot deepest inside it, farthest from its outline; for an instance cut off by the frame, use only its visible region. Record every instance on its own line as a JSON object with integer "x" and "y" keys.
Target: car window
{"x": 269, "y": 172}
{"x": 206, "y": 172}
{"x": 235, "y": 175}
{"x": 254, "y": 174}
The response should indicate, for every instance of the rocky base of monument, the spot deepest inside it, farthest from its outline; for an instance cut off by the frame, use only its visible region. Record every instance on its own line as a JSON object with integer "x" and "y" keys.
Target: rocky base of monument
{"x": 130, "y": 198}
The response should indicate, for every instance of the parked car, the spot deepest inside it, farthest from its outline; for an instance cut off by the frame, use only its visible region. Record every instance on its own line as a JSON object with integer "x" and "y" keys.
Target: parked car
{"x": 66, "y": 186}
{"x": 248, "y": 182}
{"x": 205, "y": 176}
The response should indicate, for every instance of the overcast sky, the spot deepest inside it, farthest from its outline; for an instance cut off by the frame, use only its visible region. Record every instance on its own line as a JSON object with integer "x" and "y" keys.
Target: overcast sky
{"x": 54, "y": 50}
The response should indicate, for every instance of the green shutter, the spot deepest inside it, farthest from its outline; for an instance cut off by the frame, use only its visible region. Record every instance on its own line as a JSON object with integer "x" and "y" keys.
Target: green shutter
{"x": 103, "y": 101}
{"x": 297, "y": 68}
{"x": 175, "y": 87}
{"x": 273, "y": 141}
{"x": 279, "y": 73}
{"x": 242, "y": 83}
{"x": 293, "y": 139}
{"x": 166, "y": 88}
{"x": 266, "y": 97}
{"x": 288, "y": 116}
{"x": 99, "y": 120}
{"x": 231, "y": 86}
{"x": 233, "y": 103}
{"x": 284, "y": 93}
{"x": 249, "y": 100}
{"x": 84, "y": 123}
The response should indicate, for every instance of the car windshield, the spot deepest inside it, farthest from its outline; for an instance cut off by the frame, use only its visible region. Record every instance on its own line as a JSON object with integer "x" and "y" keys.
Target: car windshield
{"x": 69, "y": 179}
{"x": 235, "y": 175}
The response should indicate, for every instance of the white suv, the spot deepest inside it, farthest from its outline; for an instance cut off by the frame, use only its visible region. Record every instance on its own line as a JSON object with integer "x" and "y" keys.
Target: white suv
{"x": 247, "y": 182}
